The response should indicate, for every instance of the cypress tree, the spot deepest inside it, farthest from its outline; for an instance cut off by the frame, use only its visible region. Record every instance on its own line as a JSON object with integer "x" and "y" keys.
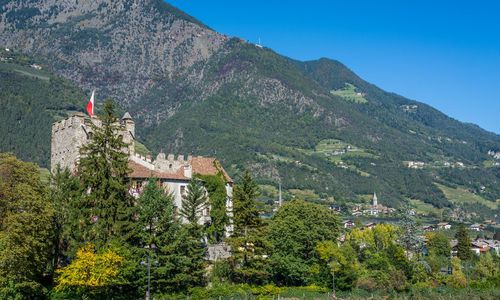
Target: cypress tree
{"x": 410, "y": 234}
{"x": 463, "y": 243}
{"x": 107, "y": 208}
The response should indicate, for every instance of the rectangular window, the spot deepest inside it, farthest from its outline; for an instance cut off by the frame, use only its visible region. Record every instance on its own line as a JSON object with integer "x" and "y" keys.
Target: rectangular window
{"x": 183, "y": 190}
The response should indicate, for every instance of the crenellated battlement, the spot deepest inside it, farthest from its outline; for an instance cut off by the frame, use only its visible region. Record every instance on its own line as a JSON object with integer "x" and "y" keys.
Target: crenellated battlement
{"x": 170, "y": 164}
{"x": 70, "y": 134}
{"x": 167, "y": 164}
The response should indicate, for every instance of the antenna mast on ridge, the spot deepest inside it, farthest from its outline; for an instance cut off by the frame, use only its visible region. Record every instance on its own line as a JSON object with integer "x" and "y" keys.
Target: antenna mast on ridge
{"x": 259, "y": 44}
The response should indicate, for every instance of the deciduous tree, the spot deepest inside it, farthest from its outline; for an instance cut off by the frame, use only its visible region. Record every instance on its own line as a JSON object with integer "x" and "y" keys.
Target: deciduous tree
{"x": 26, "y": 215}
{"x": 438, "y": 244}
{"x": 295, "y": 230}
{"x": 91, "y": 273}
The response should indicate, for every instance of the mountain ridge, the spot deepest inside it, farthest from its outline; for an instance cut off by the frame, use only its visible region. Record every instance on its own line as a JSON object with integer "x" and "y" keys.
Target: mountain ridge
{"x": 193, "y": 90}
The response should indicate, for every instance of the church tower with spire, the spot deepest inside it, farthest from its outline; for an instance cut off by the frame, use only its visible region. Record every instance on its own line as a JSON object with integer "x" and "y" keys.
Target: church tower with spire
{"x": 375, "y": 200}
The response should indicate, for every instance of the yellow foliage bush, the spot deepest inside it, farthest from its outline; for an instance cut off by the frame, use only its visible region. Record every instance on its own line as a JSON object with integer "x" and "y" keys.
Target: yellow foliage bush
{"x": 91, "y": 270}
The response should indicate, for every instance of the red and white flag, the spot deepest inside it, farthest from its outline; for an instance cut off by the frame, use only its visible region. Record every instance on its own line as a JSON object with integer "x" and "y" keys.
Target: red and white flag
{"x": 90, "y": 105}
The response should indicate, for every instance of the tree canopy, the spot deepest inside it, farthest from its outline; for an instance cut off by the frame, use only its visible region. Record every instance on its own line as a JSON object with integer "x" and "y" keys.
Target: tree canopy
{"x": 26, "y": 228}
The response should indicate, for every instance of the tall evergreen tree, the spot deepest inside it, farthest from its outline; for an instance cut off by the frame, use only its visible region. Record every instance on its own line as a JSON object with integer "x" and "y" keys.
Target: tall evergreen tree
{"x": 193, "y": 202}
{"x": 156, "y": 213}
{"x": 182, "y": 258}
{"x": 410, "y": 235}
{"x": 107, "y": 209}
{"x": 187, "y": 250}
{"x": 246, "y": 214}
{"x": 463, "y": 243}
{"x": 250, "y": 246}
{"x": 65, "y": 193}
{"x": 157, "y": 227}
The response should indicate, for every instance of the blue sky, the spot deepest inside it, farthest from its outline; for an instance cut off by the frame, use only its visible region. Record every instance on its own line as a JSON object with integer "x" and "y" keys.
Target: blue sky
{"x": 444, "y": 53}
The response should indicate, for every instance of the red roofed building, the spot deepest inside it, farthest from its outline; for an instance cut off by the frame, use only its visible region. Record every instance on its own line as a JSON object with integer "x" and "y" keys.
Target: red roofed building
{"x": 174, "y": 173}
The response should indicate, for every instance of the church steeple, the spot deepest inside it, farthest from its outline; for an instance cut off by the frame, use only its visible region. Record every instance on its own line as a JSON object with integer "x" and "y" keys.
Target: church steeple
{"x": 375, "y": 200}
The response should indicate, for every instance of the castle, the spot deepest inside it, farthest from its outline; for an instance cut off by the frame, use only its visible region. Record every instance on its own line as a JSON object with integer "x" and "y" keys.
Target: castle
{"x": 174, "y": 173}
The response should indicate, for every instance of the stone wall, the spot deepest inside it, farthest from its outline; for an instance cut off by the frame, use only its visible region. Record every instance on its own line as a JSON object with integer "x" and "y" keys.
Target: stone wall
{"x": 70, "y": 134}
{"x": 170, "y": 164}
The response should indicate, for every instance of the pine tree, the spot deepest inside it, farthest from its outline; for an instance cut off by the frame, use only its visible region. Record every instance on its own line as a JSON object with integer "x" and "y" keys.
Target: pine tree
{"x": 463, "y": 243}
{"x": 246, "y": 214}
{"x": 107, "y": 209}
{"x": 193, "y": 202}
{"x": 65, "y": 193}
{"x": 248, "y": 242}
{"x": 182, "y": 258}
{"x": 156, "y": 227}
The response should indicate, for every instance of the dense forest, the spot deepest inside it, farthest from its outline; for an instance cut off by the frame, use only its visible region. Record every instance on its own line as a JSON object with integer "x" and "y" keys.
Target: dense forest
{"x": 31, "y": 101}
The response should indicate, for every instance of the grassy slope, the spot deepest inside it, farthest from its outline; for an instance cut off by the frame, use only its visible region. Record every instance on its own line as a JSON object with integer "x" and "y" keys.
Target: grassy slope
{"x": 349, "y": 93}
{"x": 461, "y": 196}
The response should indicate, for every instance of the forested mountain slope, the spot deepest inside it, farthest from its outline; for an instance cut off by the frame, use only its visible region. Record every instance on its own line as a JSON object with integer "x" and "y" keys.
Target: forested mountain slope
{"x": 31, "y": 100}
{"x": 313, "y": 125}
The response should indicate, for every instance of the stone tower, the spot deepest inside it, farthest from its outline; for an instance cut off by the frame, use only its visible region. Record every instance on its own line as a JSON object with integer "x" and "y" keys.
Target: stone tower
{"x": 128, "y": 127}
{"x": 70, "y": 134}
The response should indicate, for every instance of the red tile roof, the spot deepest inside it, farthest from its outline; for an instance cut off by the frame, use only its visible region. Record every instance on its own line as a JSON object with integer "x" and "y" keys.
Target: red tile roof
{"x": 208, "y": 166}
{"x": 201, "y": 165}
{"x": 140, "y": 171}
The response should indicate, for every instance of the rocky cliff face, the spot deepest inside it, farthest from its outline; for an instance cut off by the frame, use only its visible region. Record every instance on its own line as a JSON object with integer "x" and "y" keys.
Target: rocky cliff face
{"x": 120, "y": 47}
{"x": 145, "y": 54}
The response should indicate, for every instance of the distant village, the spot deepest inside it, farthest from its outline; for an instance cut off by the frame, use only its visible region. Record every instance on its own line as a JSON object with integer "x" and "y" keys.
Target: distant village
{"x": 480, "y": 245}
